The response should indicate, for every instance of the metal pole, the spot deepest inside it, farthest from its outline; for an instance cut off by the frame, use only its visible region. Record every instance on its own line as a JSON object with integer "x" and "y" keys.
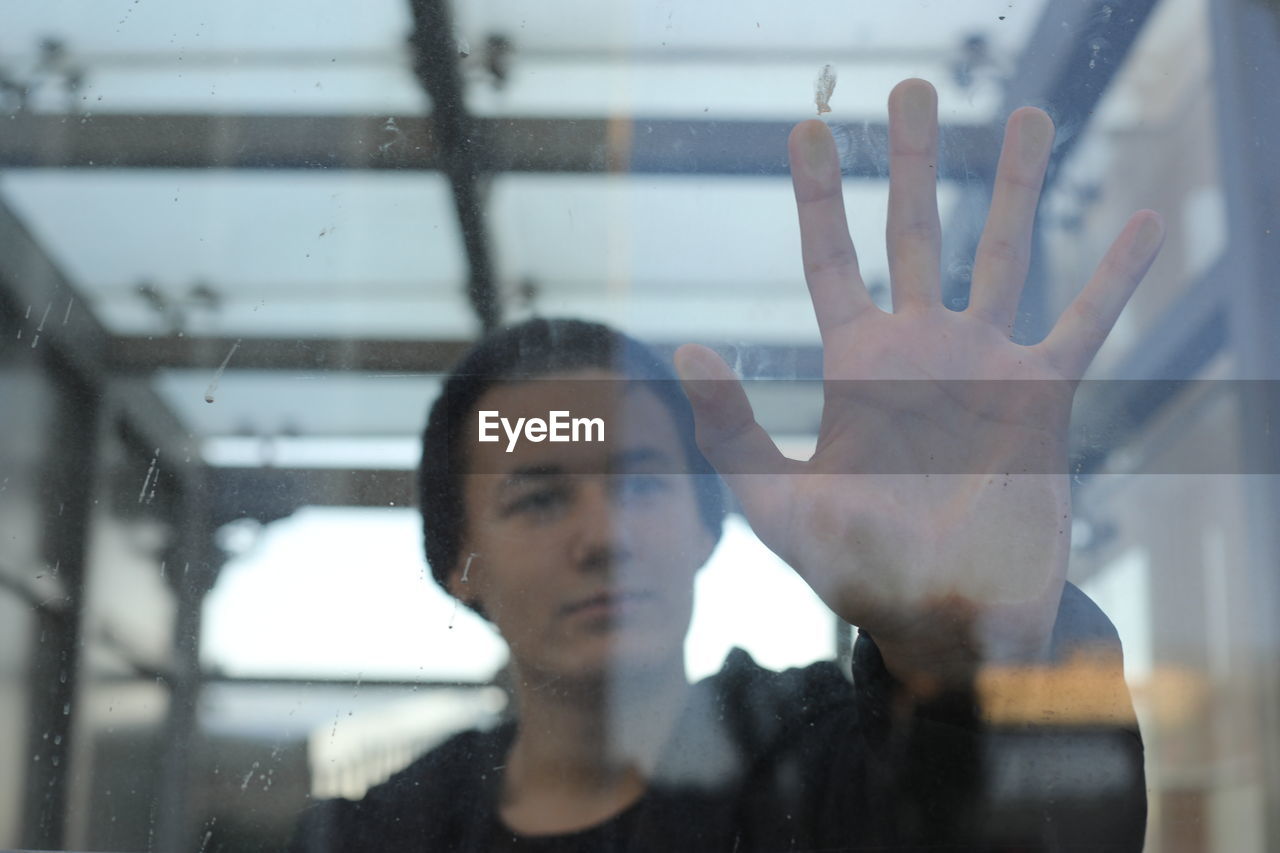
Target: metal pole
{"x": 1246, "y": 66}
{"x": 68, "y": 487}
{"x": 195, "y": 561}
{"x": 436, "y": 64}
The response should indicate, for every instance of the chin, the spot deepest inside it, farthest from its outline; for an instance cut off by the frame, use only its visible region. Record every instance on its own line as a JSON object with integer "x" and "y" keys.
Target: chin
{"x": 625, "y": 656}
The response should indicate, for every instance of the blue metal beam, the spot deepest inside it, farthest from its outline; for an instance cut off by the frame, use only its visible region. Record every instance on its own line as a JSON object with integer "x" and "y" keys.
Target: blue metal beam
{"x": 1246, "y": 56}
{"x": 582, "y": 145}
{"x": 1068, "y": 62}
{"x": 1156, "y": 370}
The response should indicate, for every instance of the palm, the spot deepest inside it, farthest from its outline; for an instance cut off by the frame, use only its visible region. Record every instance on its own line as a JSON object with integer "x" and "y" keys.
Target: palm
{"x": 946, "y": 442}
{"x": 938, "y": 480}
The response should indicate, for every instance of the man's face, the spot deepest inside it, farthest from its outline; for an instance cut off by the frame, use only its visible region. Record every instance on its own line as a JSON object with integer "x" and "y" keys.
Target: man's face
{"x": 582, "y": 554}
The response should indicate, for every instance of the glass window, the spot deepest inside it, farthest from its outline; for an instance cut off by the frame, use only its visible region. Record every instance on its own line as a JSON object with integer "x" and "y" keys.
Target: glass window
{"x": 245, "y": 249}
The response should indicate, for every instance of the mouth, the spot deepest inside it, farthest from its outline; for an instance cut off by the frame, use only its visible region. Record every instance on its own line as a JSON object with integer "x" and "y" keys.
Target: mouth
{"x": 609, "y": 604}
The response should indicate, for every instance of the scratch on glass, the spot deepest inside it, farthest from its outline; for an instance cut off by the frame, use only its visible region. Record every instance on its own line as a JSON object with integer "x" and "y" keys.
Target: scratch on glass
{"x": 397, "y": 135}
{"x": 40, "y": 326}
{"x": 150, "y": 473}
{"x": 213, "y": 386}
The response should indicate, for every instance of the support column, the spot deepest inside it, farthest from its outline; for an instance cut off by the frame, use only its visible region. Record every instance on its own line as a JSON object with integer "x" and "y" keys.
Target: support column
{"x": 195, "y": 561}
{"x": 67, "y": 499}
{"x": 1246, "y": 65}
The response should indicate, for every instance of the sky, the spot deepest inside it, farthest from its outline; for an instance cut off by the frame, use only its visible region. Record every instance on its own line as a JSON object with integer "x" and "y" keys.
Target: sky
{"x": 333, "y": 592}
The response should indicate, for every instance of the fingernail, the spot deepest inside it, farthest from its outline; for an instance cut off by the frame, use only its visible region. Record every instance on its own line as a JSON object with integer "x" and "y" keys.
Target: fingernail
{"x": 1148, "y": 239}
{"x": 916, "y": 115}
{"x": 818, "y": 150}
{"x": 1035, "y": 135}
{"x": 697, "y": 377}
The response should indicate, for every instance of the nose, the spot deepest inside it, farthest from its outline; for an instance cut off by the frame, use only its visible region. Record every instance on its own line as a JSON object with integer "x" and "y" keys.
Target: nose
{"x": 601, "y": 539}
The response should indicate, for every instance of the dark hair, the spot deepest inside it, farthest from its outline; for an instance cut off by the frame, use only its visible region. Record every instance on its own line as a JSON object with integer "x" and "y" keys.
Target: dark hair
{"x": 525, "y": 351}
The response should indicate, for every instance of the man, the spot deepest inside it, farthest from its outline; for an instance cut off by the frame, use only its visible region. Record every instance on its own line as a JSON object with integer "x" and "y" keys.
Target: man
{"x": 934, "y": 514}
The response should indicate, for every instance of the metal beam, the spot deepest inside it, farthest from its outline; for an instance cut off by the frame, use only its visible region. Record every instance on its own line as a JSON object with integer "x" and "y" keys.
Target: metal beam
{"x": 61, "y": 326}
{"x": 1246, "y": 64}
{"x": 69, "y": 454}
{"x": 1177, "y": 346}
{"x": 307, "y": 59}
{"x": 140, "y": 355}
{"x": 143, "y": 354}
{"x": 267, "y": 494}
{"x": 70, "y": 343}
{"x": 435, "y": 63}
{"x": 1186, "y": 335}
{"x": 306, "y": 682}
{"x": 54, "y": 318}
{"x": 196, "y": 561}
{"x": 1065, "y": 67}
{"x": 575, "y": 145}
{"x": 1159, "y": 368}
{"x": 1070, "y": 59}
{"x": 161, "y": 141}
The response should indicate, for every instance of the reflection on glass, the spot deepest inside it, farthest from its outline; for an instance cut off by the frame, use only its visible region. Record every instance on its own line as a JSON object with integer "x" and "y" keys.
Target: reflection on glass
{"x": 242, "y": 247}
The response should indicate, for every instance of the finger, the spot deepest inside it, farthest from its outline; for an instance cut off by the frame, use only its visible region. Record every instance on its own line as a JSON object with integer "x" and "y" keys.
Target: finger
{"x": 1004, "y": 252}
{"x": 1080, "y": 331}
{"x": 729, "y": 436}
{"x": 830, "y": 262}
{"x": 914, "y": 235}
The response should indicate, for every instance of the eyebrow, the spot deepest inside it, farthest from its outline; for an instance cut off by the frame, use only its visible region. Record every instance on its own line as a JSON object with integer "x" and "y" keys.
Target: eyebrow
{"x": 637, "y": 457}
{"x": 622, "y": 461}
{"x": 534, "y": 473}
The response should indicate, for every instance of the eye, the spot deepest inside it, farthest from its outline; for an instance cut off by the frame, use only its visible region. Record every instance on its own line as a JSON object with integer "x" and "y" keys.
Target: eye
{"x": 638, "y": 485}
{"x": 538, "y": 503}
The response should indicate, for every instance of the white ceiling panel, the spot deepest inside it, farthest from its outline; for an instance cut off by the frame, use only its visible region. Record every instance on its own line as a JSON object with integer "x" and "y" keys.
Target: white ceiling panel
{"x": 736, "y": 59}
{"x": 227, "y": 88}
{"x": 272, "y": 403}
{"x": 98, "y": 26}
{"x": 761, "y": 25}
{"x": 740, "y": 87}
{"x": 286, "y": 56}
{"x": 343, "y": 253}
{"x": 675, "y": 257}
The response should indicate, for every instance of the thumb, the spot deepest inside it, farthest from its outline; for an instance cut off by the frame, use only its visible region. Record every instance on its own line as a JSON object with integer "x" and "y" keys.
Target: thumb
{"x": 730, "y": 437}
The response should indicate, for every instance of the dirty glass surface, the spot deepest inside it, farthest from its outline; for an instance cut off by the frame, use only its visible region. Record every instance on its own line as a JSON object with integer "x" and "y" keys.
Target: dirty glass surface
{"x": 242, "y": 245}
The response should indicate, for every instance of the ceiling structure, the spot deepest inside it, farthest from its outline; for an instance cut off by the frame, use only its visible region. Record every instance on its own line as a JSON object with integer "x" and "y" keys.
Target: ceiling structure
{"x": 268, "y": 229}
{"x": 307, "y": 218}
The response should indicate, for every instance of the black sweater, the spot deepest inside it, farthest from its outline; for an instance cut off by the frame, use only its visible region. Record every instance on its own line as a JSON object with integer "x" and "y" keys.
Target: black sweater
{"x": 802, "y": 761}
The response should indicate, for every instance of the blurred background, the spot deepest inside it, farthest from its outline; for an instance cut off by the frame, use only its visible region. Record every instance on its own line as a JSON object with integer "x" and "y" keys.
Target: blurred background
{"x": 240, "y": 243}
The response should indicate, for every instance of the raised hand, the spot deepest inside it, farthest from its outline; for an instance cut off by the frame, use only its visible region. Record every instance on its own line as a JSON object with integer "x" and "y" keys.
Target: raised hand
{"x": 935, "y": 511}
